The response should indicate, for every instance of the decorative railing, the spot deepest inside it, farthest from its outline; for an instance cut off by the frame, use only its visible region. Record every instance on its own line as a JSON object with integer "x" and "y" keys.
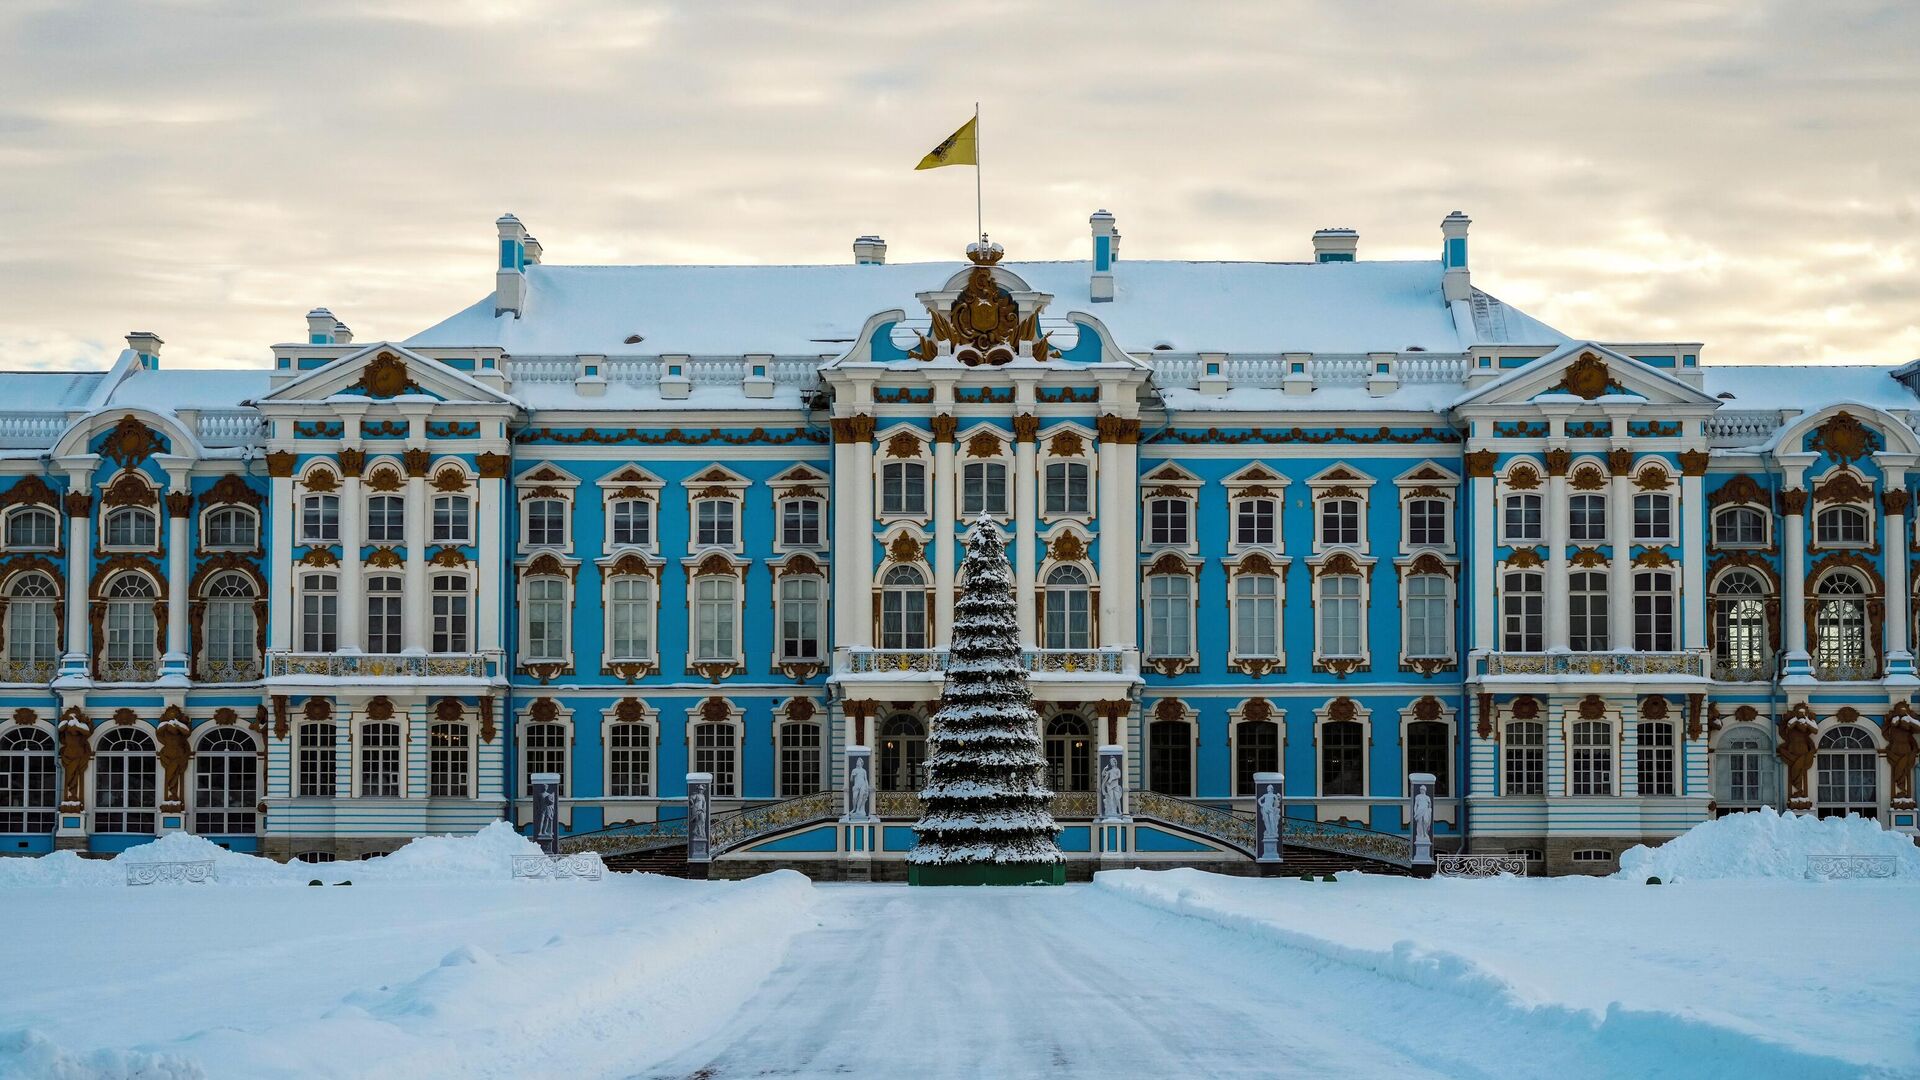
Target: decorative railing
{"x": 636, "y": 836}
{"x": 1727, "y": 671}
{"x": 641, "y": 371}
{"x": 1692, "y": 663}
{"x": 1234, "y": 830}
{"x": 1480, "y": 866}
{"x": 378, "y": 665}
{"x": 1845, "y": 672}
{"x": 1275, "y": 371}
{"x": 1339, "y": 370}
{"x": 231, "y": 427}
{"x": 1432, "y": 369}
{"x": 219, "y": 671}
{"x": 194, "y": 872}
{"x": 905, "y": 805}
{"x": 1108, "y": 661}
{"x": 579, "y": 865}
{"x": 31, "y": 429}
{"x": 127, "y": 670}
{"x": 897, "y": 805}
{"x": 879, "y": 661}
{"x": 28, "y": 671}
{"x": 1742, "y": 427}
{"x": 1345, "y": 839}
{"x": 747, "y": 824}
{"x": 1850, "y": 867}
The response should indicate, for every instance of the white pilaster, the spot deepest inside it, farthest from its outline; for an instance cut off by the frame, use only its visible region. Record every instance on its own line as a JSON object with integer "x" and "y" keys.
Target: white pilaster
{"x": 1557, "y": 529}
{"x": 286, "y": 575}
{"x": 353, "y": 624}
{"x": 413, "y": 607}
{"x": 1485, "y": 603}
{"x": 1795, "y": 663}
{"x": 848, "y": 533}
{"x": 1694, "y": 522}
{"x": 490, "y": 504}
{"x": 1025, "y": 517}
{"x": 1894, "y": 541}
{"x": 75, "y": 662}
{"x": 1114, "y": 551}
{"x": 173, "y": 665}
{"x": 1620, "y": 577}
{"x": 859, "y": 561}
{"x": 945, "y": 511}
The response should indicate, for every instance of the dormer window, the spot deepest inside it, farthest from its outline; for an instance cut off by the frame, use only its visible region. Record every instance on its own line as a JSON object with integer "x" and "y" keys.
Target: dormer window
{"x": 131, "y": 528}
{"x": 713, "y": 523}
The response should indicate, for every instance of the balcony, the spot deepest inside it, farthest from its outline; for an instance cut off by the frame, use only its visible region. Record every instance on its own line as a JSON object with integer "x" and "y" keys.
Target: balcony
{"x": 1861, "y": 672}
{"x": 228, "y": 671}
{"x": 1692, "y": 664}
{"x": 1743, "y": 671}
{"x": 298, "y": 665}
{"x": 127, "y": 671}
{"x": 1104, "y": 661}
{"x": 28, "y": 671}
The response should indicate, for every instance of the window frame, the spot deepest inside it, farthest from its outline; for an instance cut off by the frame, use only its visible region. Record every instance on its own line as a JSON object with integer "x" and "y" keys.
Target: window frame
{"x": 114, "y": 515}
{"x": 32, "y": 510}
{"x": 1736, "y": 510}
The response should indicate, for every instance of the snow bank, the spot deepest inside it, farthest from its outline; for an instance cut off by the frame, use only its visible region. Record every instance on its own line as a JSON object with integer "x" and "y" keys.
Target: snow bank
{"x": 1766, "y": 844}
{"x": 486, "y": 855}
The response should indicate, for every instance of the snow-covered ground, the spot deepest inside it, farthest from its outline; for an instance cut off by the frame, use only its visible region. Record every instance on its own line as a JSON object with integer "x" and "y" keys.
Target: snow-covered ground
{"x": 433, "y": 963}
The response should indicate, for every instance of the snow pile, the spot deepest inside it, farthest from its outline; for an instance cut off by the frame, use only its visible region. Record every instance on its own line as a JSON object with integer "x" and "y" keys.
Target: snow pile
{"x": 1766, "y": 844}
{"x": 486, "y": 855}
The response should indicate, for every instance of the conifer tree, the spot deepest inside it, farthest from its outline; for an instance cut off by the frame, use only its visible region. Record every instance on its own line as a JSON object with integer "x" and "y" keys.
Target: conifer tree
{"x": 986, "y": 803}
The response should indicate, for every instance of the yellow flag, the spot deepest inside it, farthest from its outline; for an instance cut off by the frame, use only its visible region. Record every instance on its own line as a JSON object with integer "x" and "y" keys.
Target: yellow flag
{"x": 960, "y": 148}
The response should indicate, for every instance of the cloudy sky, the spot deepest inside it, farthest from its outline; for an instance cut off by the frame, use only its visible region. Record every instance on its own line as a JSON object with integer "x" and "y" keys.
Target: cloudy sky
{"x": 1744, "y": 173}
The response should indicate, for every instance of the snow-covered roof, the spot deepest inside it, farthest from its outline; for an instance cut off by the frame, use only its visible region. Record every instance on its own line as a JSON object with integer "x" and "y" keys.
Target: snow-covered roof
{"x": 191, "y": 388}
{"x": 1265, "y": 307}
{"x": 48, "y": 389}
{"x": 1807, "y": 388}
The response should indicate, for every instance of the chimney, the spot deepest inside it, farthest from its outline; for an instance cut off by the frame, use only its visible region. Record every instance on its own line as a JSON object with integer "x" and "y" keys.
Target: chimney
{"x": 533, "y": 251}
{"x": 510, "y": 281}
{"x": 1334, "y": 245}
{"x": 1453, "y": 256}
{"x": 146, "y": 345}
{"x": 869, "y": 251}
{"x": 1104, "y": 243}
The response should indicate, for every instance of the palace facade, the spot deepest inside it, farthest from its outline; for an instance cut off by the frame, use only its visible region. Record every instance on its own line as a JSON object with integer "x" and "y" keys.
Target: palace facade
{"x": 1341, "y": 519}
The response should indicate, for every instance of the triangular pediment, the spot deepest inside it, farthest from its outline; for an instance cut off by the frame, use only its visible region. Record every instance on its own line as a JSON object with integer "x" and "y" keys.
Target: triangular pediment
{"x": 1584, "y": 371}
{"x": 383, "y": 371}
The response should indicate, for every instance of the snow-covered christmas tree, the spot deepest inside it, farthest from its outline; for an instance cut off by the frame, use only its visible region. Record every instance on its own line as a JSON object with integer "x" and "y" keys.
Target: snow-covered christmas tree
{"x": 986, "y": 814}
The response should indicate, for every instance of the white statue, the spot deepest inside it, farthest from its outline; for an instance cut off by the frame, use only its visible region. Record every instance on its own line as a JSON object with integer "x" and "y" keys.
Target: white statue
{"x": 1112, "y": 795}
{"x": 1422, "y": 811}
{"x": 697, "y": 813}
{"x": 549, "y": 811}
{"x": 859, "y": 791}
{"x": 1269, "y": 804}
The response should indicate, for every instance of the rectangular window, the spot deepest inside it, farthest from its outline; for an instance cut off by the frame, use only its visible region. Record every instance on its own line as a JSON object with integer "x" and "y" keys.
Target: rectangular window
{"x": 800, "y": 618}
{"x": 1587, "y": 519}
{"x": 714, "y": 752}
{"x": 380, "y": 761}
{"x": 800, "y": 523}
{"x": 1169, "y": 615}
{"x": 903, "y": 488}
{"x": 450, "y": 622}
{"x": 1339, "y": 522}
{"x": 546, "y": 620}
{"x": 315, "y": 764}
{"x": 1592, "y": 758}
{"x": 1652, "y": 518}
{"x": 319, "y": 519}
{"x": 1655, "y": 758}
{"x": 1340, "y": 616}
{"x": 447, "y": 760}
{"x": 1429, "y": 614}
{"x": 713, "y": 523}
{"x": 1167, "y": 524}
{"x": 1427, "y": 523}
{"x": 983, "y": 489}
{"x": 630, "y": 611}
{"x": 1521, "y": 606}
{"x": 629, "y": 761}
{"x": 799, "y": 760}
{"x": 545, "y": 752}
{"x": 452, "y": 520}
{"x": 1256, "y": 616}
{"x": 1067, "y": 488}
{"x": 546, "y": 523}
{"x": 1522, "y": 519}
{"x": 1653, "y": 612}
{"x": 1525, "y": 771}
{"x": 1587, "y": 611}
{"x": 319, "y": 614}
{"x": 386, "y": 520}
{"x": 632, "y": 523}
{"x": 1253, "y": 522}
{"x": 713, "y": 613}
{"x": 383, "y": 614}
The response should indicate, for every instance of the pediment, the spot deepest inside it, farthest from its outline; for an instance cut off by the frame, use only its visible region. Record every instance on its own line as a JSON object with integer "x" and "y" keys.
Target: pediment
{"x": 1585, "y": 371}
{"x": 383, "y": 371}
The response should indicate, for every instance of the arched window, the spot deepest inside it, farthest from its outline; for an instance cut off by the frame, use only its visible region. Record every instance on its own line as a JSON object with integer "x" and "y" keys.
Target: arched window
{"x": 319, "y": 613}
{"x": 384, "y": 618}
{"x": 630, "y": 760}
{"x": 1740, "y": 626}
{"x": 33, "y": 632}
{"x": 451, "y": 622}
{"x": 1256, "y": 616}
{"x": 799, "y": 759}
{"x": 1521, "y": 518}
{"x": 1524, "y": 768}
{"x": 131, "y": 627}
{"x": 1841, "y": 526}
{"x": 630, "y": 618}
{"x": 1170, "y": 757}
{"x": 1655, "y": 757}
{"x": 983, "y": 489}
{"x": 714, "y": 611}
{"x": 32, "y": 528}
{"x": 320, "y": 519}
{"x": 125, "y": 790}
{"x": 544, "y": 750}
{"x": 1840, "y": 628}
{"x": 131, "y": 528}
{"x": 226, "y": 783}
{"x": 1428, "y": 751}
{"x": 903, "y": 754}
{"x": 1653, "y": 611}
{"x": 1340, "y": 615}
{"x": 452, "y": 519}
{"x": 314, "y": 770}
{"x": 1069, "y": 754}
{"x": 380, "y": 761}
{"x": 231, "y": 649}
{"x": 1748, "y": 772}
{"x": 1521, "y": 611}
{"x": 716, "y": 750}
{"x": 232, "y": 528}
{"x": 1587, "y": 611}
{"x": 1256, "y": 749}
{"x": 1169, "y": 616}
{"x": 386, "y": 519}
{"x": 1339, "y": 522}
{"x": 903, "y": 488}
{"x": 1342, "y": 758}
{"x": 449, "y": 757}
{"x": 1739, "y": 526}
{"x": 1068, "y": 490}
{"x": 903, "y": 609}
{"x": 1592, "y": 758}
{"x": 1848, "y": 774}
{"x": 1587, "y": 519}
{"x": 801, "y": 598}
{"x": 1069, "y": 609}
{"x": 1652, "y": 518}
{"x": 29, "y": 787}
{"x": 546, "y": 619}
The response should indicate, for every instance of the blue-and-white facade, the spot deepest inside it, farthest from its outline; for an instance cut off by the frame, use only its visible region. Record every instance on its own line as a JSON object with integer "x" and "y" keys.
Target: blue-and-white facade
{"x": 1339, "y": 519}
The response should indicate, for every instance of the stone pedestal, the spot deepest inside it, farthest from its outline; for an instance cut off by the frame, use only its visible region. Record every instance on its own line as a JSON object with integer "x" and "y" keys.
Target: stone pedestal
{"x": 1269, "y": 812}
{"x": 859, "y": 829}
{"x": 699, "y": 823}
{"x": 1111, "y": 826}
{"x": 1420, "y": 787}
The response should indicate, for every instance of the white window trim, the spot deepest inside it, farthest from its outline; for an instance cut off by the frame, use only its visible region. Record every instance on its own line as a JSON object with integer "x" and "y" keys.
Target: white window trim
{"x": 1242, "y": 486}
{"x": 884, "y": 456}
{"x": 1448, "y": 716}
{"x": 792, "y": 485}
{"x": 528, "y": 486}
{"x": 1044, "y": 456}
{"x": 1421, "y": 482}
{"x": 93, "y": 776}
{"x": 356, "y": 728}
{"x": 736, "y": 719}
{"x": 629, "y": 562}
{"x": 1674, "y": 510}
{"x": 1233, "y": 565}
{"x": 1162, "y": 564}
{"x": 715, "y": 483}
{"x": 472, "y": 727}
{"x": 1568, "y": 718}
{"x": 6, "y": 526}
{"x": 1814, "y": 543}
{"x": 649, "y": 719}
{"x": 1084, "y": 564}
{"x": 1364, "y": 717}
{"x": 781, "y": 573}
{"x": 522, "y": 794}
{"x": 1190, "y": 720}
{"x": 1766, "y": 528}
{"x": 1235, "y": 717}
{"x": 201, "y": 526}
{"x": 781, "y": 722}
{"x": 1342, "y": 481}
{"x": 629, "y": 483}
{"x": 1364, "y": 565}
{"x": 1450, "y": 570}
{"x": 737, "y": 571}
{"x": 569, "y": 573}
{"x": 1500, "y": 771}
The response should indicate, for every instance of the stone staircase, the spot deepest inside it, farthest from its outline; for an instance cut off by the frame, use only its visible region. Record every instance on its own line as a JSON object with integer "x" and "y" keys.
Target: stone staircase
{"x": 665, "y": 861}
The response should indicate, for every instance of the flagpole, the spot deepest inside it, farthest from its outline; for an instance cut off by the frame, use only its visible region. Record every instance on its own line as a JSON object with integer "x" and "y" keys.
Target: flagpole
{"x": 979, "y": 212}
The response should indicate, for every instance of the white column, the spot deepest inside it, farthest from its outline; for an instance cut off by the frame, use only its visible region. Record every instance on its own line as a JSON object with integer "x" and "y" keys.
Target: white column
{"x": 1127, "y": 584}
{"x": 847, "y": 527}
{"x": 413, "y": 604}
{"x": 1026, "y": 513}
{"x": 1894, "y": 542}
{"x": 285, "y": 574}
{"x": 1111, "y": 538}
{"x": 1793, "y": 578}
{"x": 173, "y": 666}
{"x": 74, "y": 664}
{"x": 1694, "y": 522}
{"x": 945, "y": 511}
{"x": 1556, "y": 598}
{"x": 1620, "y": 579}
{"x": 494, "y": 564}
{"x": 1485, "y": 602}
{"x": 859, "y": 561}
{"x": 353, "y": 624}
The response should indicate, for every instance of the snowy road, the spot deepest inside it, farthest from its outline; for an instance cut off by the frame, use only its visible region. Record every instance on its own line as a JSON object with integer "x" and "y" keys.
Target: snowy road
{"x": 1075, "y": 981}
